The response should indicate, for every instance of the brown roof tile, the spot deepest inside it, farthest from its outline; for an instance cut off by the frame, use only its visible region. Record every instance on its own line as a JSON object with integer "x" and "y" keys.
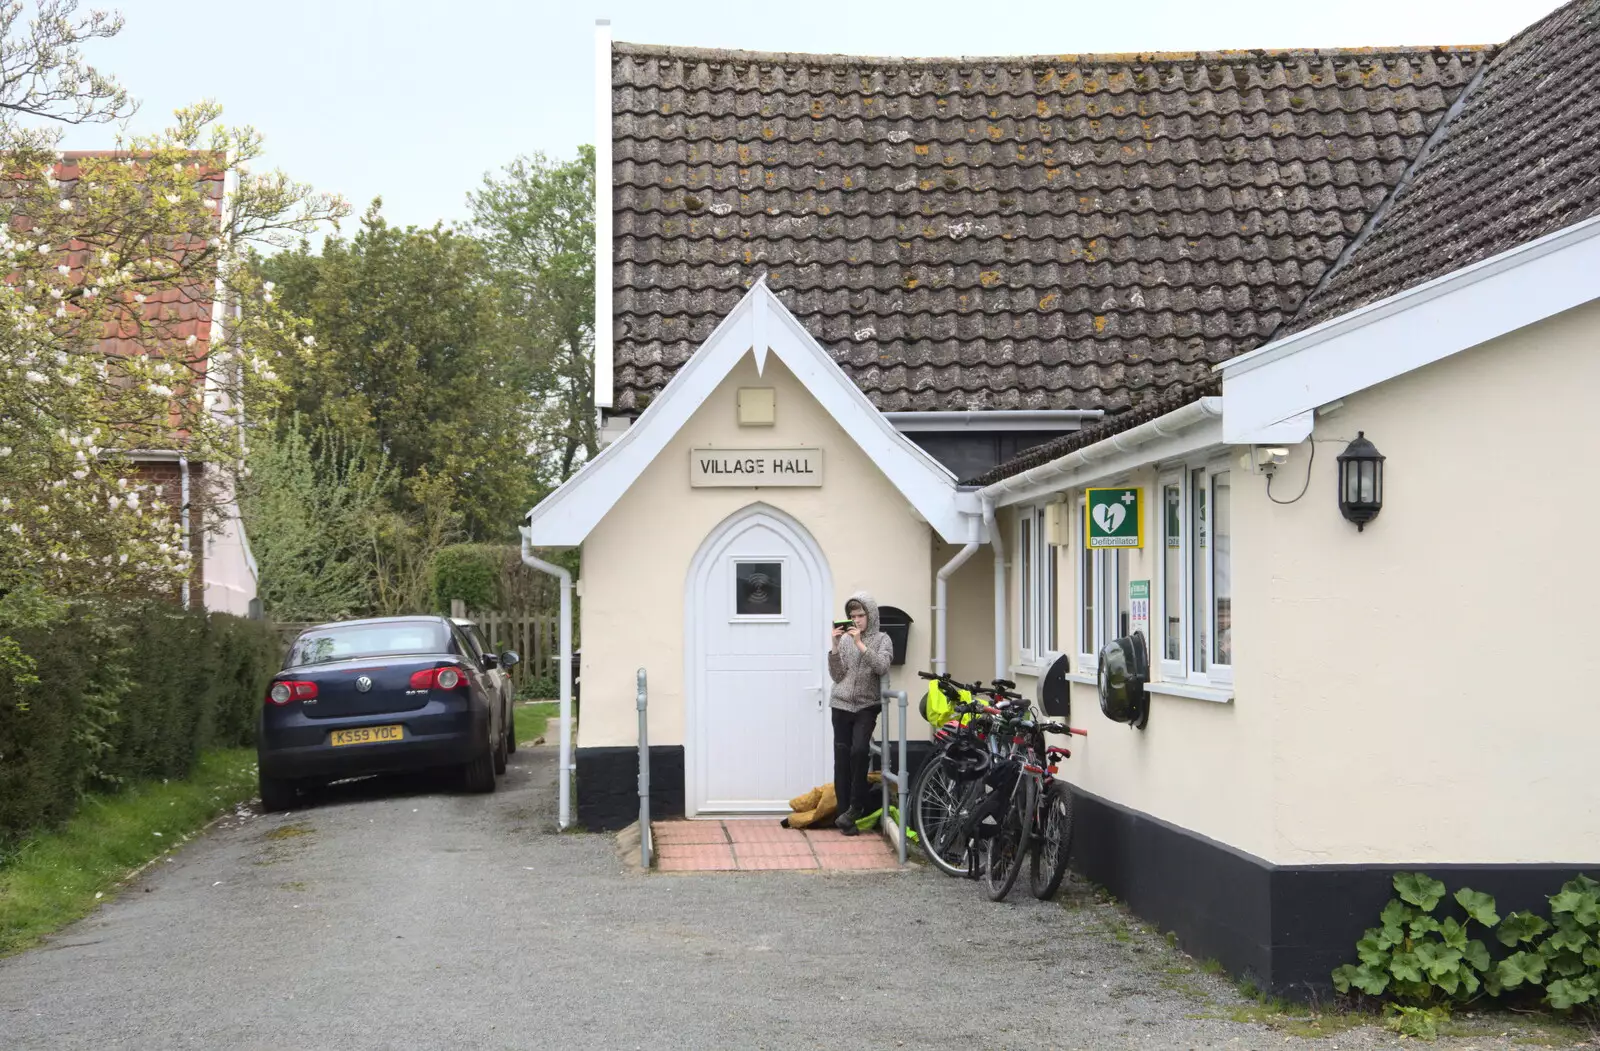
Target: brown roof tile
{"x": 1060, "y": 232}
{"x": 1520, "y": 160}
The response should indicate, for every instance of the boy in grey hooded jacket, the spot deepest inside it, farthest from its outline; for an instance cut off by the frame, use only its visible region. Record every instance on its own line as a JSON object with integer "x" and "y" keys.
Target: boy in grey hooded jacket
{"x": 857, "y": 661}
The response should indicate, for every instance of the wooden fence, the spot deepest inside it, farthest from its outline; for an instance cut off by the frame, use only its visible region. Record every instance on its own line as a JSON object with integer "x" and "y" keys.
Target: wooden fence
{"x": 536, "y": 637}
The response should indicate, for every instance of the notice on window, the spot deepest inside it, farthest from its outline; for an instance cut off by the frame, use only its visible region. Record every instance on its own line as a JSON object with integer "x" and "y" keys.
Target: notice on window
{"x": 1139, "y": 606}
{"x": 1113, "y": 518}
{"x": 755, "y": 467}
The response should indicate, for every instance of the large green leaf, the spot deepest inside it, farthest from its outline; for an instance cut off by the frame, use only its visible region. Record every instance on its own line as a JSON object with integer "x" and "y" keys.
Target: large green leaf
{"x": 1419, "y": 890}
{"x": 1570, "y": 937}
{"x": 1423, "y": 925}
{"x": 1406, "y": 966}
{"x": 1476, "y": 954}
{"x": 1438, "y": 959}
{"x": 1370, "y": 950}
{"x": 1567, "y": 993}
{"x": 1470, "y": 983}
{"x": 1370, "y": 980}
{"x": 1520, "y": 927}
{"x": 1520, "y": 968}
{"x": 1583, "y": 906}
{"x": 1478, "y": 905}
{"x": 1396, "y": 913}
{"x": 1453, "y": 933}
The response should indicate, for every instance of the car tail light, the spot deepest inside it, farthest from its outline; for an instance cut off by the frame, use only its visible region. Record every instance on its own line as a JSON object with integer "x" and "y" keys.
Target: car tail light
{"x": 284, "y": 692}
{"x": 442, "y": 678}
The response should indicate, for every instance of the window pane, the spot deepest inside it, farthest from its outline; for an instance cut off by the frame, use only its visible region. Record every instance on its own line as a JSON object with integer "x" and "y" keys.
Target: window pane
{"x": 1123, "y": 624}
{"x": 760, "y": 589}
{"x": 343, "y": 641}
{"x": 1221, "y": 570}
{"x": 1025, "y": 550}
{"x": 1172, "y": 571}
{"x": 1087, "y": 582}
{"x": 1052, "y": 589}
{"x": 1198, "y": 564}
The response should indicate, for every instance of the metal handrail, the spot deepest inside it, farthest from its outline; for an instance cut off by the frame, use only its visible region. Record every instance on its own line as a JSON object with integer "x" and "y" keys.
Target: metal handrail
{"x": 898, "y": 778}
{"x": 646, "y": 847}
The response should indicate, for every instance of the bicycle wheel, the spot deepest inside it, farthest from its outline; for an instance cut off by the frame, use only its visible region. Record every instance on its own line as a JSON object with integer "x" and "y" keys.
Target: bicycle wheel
{"x": 935, "y": 808}
{"x": 1053, "y": 846}
{"x": 1008, "y": 846}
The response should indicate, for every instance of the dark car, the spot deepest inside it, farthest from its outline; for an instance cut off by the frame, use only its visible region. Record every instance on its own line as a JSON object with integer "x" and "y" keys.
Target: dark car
{"x": 379, "y": 696}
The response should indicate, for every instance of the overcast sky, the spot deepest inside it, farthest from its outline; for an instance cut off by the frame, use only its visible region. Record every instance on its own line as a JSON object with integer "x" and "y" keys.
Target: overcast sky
{"x": 416, "y": 101}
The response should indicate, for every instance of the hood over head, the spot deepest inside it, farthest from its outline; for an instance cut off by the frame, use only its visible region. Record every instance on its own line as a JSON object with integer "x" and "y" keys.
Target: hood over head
{"x": 871, "y": 606}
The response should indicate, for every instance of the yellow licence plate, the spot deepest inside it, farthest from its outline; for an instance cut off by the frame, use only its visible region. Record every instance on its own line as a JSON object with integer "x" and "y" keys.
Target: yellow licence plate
{"x": 368, "y": 735}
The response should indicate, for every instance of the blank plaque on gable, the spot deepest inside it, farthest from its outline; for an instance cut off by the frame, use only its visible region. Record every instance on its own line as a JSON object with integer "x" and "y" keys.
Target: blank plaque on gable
{"x": 1055, "y": 693}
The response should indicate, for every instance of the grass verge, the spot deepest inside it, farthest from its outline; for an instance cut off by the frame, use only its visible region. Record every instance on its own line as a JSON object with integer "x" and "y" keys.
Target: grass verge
{"x": 54, "y": 878}
{"x": 533, "y": 717}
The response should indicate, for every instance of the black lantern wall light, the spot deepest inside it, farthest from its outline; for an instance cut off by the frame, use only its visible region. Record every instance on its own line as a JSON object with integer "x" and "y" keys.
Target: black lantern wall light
{"x": 1360, "y": 481}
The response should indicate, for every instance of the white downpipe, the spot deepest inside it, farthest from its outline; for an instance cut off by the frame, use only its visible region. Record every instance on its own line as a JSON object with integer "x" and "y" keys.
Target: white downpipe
{"x": 1002, "y": 655}
{"x": 183, "y": 489}
{"x": 941, "y": 597}
{"x": 566, "y": 767}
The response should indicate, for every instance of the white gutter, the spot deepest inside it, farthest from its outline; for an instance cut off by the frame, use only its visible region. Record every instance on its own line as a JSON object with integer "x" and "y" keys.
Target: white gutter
{"x": 1112, "y": 454}
{"x": 997, "y": 420}
{"x": 941, "y": 595}
{"x": 183, "y": 488}
{"x": 565, "y": 765}
{"x": 1002, "y": 655}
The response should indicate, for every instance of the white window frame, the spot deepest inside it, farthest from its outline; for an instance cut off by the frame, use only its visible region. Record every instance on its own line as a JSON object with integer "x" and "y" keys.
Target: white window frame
{"x": 735, "y": 617}
{"x": 1038, "y": 566}
{"x": 1182, "y": 670}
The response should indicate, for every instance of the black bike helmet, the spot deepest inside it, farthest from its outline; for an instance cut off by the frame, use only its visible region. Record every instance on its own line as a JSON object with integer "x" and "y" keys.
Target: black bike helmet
{"x": 969, "y": 759}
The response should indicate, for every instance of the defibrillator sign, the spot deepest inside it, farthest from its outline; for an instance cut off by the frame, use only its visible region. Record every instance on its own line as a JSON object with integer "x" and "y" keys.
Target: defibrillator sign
{"x": 1113, "y": 518}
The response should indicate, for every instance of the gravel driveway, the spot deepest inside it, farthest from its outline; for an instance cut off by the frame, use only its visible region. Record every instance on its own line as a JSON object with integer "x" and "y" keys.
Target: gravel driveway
{"x": 402, "y": 915}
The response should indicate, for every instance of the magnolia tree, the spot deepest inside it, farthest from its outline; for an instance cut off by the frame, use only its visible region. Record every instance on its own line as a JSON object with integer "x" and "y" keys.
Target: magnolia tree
{"x": 129, "y": 319}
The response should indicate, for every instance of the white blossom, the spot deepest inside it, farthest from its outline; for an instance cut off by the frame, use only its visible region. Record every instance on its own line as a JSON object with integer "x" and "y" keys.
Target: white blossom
{"x": 268, "y": 286}
{"x": 34, "y": 377}
{"x": 66, "y": 205}
{"x": 172, "y": 198}
{"x": 190, "y": 340}
{"x": 309, "y": 341}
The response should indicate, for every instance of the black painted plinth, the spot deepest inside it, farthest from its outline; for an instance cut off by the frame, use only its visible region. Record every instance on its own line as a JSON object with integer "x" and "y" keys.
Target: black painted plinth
{"x": 1284, "y": 927}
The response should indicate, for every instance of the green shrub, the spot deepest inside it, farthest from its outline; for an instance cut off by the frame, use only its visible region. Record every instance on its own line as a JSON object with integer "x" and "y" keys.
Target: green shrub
{"x": 125, "y": 692}
{"x": 1414, "y": 959}
{"x": 469, "y": 572}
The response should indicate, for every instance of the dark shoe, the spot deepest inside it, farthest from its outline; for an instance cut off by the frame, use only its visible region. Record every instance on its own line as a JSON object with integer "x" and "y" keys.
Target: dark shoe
{"x": 847, "y": 820}
{"x": 850, "y": 830}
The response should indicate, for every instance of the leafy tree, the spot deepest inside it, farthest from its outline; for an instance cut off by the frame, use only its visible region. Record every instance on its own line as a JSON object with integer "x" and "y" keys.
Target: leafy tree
{"x": 312, "y": 503}
{"x": 536, "y": 221}
{"x": 112, "y": 263}
{"x": 409, "y": 349}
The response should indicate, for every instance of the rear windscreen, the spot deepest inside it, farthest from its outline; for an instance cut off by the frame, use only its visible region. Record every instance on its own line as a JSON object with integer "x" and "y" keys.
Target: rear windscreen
{"x": 343, "y": 641}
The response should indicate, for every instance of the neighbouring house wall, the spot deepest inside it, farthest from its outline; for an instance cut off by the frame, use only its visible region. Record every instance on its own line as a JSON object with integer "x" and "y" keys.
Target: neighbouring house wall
{"x": 637, "y": 559}
{"x": 167, "y": 476}
{"x": 1201, "y": 765}
{"x": 228, "y": 568}
{"x": 970, "y": 635}
{"x": 1431, "y": 676}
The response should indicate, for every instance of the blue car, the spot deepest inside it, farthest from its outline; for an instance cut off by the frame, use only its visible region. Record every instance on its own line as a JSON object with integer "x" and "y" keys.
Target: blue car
{"x": 385, "y": 695}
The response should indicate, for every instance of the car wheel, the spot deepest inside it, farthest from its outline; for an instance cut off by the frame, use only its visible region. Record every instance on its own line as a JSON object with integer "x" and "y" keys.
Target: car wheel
{"x": 276, "y": 793}
{"x": 478, "y": 774}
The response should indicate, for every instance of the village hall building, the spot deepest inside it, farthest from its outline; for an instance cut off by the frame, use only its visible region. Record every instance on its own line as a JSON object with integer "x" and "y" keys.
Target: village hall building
{"x": 1286, "y": 361}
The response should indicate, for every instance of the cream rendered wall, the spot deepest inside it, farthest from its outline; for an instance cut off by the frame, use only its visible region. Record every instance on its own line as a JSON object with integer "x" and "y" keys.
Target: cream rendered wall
{"x": 636, "y": 561}
{"x": 1433, "y": 677}
{"x": 1202, "y": 765}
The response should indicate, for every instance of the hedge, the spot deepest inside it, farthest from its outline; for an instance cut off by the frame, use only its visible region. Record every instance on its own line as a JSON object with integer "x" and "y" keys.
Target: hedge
{"x": 125, "y": 693}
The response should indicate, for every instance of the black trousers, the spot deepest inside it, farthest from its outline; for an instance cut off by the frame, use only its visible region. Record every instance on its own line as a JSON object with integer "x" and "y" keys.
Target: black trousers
{"x": 852, "y": 732}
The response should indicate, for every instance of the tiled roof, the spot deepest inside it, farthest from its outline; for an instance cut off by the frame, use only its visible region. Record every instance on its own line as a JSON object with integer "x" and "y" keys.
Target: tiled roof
{"x": 1521, "y": 160}
{"x": 1057, "y": 232}
{"x": 173, "y": 313}
{"x": 1147, "y": 410}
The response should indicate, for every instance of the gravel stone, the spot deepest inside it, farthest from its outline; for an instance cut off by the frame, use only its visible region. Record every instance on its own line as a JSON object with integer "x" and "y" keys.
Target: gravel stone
{"x": 403, "y": 914}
